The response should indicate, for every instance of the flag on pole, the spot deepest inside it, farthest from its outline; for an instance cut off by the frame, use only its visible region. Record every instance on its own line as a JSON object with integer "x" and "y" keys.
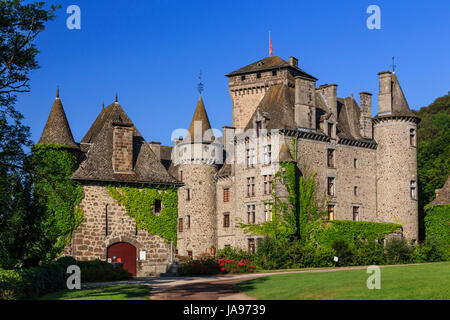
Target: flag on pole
{"x": 270, "y": 45}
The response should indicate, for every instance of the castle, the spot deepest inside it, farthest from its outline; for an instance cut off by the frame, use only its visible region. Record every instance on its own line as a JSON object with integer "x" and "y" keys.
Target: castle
{"x": 367, "y": 167}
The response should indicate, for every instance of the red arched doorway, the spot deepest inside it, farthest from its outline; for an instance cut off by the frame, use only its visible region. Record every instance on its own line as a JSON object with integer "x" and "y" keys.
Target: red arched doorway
{"x": 125, "y": 253}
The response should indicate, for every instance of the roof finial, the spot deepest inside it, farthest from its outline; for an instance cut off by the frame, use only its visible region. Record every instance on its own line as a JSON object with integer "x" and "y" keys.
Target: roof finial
{"x": 57, "y": 91}
{"x": 117, "y": 98}
{"x": 393, "y": 65}
{"x": 103, "y": 105}
{"x": 200, "y": 84}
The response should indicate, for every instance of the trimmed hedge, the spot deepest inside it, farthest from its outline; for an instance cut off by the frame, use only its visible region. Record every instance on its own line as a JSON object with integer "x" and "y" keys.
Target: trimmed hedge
{"x": 35, "y": 282}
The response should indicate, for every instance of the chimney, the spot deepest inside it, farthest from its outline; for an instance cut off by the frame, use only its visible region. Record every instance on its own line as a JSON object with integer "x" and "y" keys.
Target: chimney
{"x": 385, "y": 93}
{"x": 156, "y": 148}
{"x": 122, "y": 158}
{"x": 329, "y": 93}
{"x": 305, "y": 111}
{"x": 365, "y": 121}
{"x": 293, "y": 61}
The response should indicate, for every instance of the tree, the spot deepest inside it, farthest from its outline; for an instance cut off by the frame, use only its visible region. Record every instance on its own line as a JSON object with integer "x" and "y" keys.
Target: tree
{"x": 433, "y": 154}
{"x": 293, "y": 216}
{"x": 20, "y": 24}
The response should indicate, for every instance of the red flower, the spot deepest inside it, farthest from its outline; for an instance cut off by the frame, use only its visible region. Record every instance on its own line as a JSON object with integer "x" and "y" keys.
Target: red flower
{"x": 223, "y": 269}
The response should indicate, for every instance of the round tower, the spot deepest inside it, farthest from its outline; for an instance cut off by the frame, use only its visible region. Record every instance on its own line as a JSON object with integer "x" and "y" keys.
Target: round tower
{"x": 395, "y": 131}
{"x": 196, "y": 157}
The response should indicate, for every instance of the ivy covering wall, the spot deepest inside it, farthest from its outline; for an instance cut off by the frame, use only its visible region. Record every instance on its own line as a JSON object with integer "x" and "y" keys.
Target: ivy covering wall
{"x": 139, "y": 203}
{"x": 437, "y": 223}
{"x": 57, "y": 196}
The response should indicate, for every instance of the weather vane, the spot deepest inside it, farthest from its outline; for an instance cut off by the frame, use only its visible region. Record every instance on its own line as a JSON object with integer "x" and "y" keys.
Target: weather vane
{"x": 200, "y": 84}
{"x": 393, "y": 64}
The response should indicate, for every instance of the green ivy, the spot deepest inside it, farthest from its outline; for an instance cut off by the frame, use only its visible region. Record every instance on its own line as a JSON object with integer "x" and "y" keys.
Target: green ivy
{"x": 57, "y": 195}
{"x": 349, "y": 231}
{"x": 437, "y": 222}
{"x": 139, "y": 203}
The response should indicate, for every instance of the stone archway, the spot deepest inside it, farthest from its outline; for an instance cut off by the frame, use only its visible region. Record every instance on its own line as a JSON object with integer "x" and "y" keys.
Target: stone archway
{"x": 125, "y": 253}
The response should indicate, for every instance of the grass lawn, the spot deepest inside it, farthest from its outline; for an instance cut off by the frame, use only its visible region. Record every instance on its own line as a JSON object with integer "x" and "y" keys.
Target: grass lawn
{"x": 121, "y": 292}
{"x": 421, "y": 281}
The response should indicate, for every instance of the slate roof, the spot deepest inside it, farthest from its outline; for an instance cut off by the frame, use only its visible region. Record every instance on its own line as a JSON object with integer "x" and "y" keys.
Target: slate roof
{"x": 97, "y": 164}
{"x": 348, "y": 118}
{"x": 278, "y": 105}
{"x": 400, "y": 106}
{"x": 200, "y": 115}
{"x": 443, "y": 194}
{"x": 57, "y": 129}
{"x": 269, "y": 63}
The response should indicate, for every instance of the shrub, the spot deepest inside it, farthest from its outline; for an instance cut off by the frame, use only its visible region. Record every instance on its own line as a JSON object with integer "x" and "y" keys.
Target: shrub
{"x": 231, "y": 253}
{"x": 308, "y": 256}
{"x": 398, "y": 251}
{"x": 270, "y": 254}
{"x": 369, "y": 253}
{"x": 432, "y": 250}
{"x": 203, "y": 266}
{"x": 235, "y": 266}
{"x": 343, "y": 252}
{"x": 34, "y": 282}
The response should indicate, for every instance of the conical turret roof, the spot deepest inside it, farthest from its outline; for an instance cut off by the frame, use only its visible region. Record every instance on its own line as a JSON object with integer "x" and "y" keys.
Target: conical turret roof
{"x": 200, "y": 115}
{"x": 399, "y": 104}
{"x": 57, "y": 129}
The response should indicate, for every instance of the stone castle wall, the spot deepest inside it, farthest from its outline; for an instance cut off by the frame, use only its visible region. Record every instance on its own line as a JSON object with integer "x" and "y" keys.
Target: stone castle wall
{"x": 396, "y": 168}
{"x": 201, "y": 208}
{"x": 92, "y": 239}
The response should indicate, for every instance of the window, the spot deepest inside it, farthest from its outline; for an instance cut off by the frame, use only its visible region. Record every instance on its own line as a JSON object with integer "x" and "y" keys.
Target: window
{"x": 267, "y": 184}
{"x": 268, "y": 211}
{"x": 226, "y": 194}
{"x": 188, "y": 194}
{"x": 283, "y": 175}
{"x": 412, "y": 137}
{"x": 251, "y": 213}
{"x": 189, "y": 253}
{"x": 330, "y": 186}
{"x": 180, "y": 225}
{"x": 181, "y": 175}
{"x": 242, "y": 78}
{"x": 355, "y": 163}
{"x": 226, "y": 220}
{"x": 258, "y": 75}
{"x": 355, "y": 191}
{"x": 251, "y": 158}
{"x": 330, "y": 158}
{"x": 331, "y": 212}
{"x": 268, "y": 154}
{"x": 188, "y": 222}
{"x": 355, "y": 213}
{"x": 330, "y": 130}
{"x": 258, "y": 127}
{"x": 157, "y": 207}
{"x": 251, "y": 245}
{"x": 274, "y": 73}
{"x": 250, "y": 187}
{"x": 413, "y": 189}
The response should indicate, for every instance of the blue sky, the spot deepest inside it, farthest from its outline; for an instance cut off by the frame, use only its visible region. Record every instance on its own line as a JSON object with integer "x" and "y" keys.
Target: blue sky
{"x": 150, "y": 52}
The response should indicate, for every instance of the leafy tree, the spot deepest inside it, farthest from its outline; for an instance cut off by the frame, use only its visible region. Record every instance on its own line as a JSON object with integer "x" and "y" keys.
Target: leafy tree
{"x": 20, "y": 24}
{"x": 293, "y": 216}
{"x": 433, "y": 154}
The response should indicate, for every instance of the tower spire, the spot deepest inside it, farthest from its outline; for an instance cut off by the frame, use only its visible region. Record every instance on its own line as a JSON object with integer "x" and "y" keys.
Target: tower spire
{"x": 57, "y": 91}
{"x": 117, "y": 97}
